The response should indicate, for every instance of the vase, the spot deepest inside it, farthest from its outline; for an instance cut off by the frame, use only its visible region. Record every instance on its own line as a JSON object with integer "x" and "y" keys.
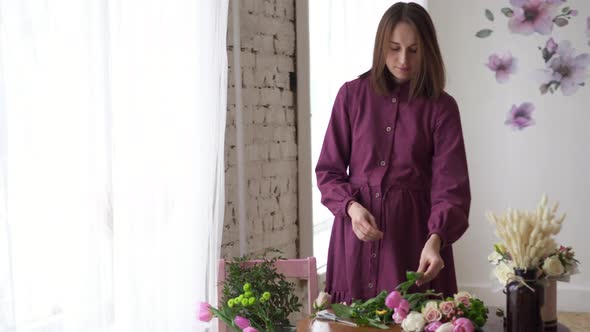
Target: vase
{"x": 549, "y": 309}
{"x": 524, "y": 299}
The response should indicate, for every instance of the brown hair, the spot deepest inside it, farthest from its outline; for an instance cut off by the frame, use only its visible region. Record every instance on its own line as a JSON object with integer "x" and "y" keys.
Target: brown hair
{"x": 430, "y": 79}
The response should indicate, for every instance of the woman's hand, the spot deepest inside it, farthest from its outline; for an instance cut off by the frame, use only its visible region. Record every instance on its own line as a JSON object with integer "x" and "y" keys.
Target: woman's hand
{"x": 363, "y": 223}
{"x": 430, "y": 261}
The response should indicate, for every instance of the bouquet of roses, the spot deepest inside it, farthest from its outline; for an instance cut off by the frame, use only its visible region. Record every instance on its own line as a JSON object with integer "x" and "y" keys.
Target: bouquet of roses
{"x": 560, "y": 264}
{"x": 417, "y": 312}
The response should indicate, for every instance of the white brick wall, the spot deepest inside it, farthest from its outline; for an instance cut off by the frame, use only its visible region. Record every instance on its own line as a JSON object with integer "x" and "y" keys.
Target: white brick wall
{"x": 267, "y": 60}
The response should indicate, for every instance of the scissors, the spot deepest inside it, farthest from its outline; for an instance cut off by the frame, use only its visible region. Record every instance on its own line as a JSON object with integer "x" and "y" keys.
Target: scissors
{"x": 326, "y": 315}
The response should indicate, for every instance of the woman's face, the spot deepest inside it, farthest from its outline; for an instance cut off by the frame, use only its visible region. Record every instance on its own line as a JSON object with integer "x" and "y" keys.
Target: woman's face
{"x": 403, "y": 53}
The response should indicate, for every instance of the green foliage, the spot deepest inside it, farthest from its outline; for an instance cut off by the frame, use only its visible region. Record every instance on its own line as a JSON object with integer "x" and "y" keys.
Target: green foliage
{"x": 258, "y": 293}
{"x": 477, "y": 312}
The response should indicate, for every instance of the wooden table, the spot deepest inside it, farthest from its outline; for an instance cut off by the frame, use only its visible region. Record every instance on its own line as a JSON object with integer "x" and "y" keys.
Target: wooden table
{"x": 494, "y": 324}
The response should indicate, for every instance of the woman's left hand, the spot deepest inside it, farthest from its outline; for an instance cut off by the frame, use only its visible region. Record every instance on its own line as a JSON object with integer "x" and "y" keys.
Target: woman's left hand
{"x": 430, "y": 261}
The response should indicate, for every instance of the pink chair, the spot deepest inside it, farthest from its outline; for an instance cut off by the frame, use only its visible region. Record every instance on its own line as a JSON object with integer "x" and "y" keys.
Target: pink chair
{"x": 291, "y": 268}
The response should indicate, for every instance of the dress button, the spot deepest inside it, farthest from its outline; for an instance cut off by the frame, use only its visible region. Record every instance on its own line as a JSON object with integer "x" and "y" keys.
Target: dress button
{"x": 374, "y": 255}
{"x": 393, "y": 100}
{"x": 377, "y": 195}
{"x": 388, "y": 129}
{"x": 382, "y": 163}
{"x": 370, "y": 285}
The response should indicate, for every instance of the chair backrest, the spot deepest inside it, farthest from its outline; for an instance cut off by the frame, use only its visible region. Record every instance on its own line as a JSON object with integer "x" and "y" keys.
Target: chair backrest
{"x": 304, "y": 268}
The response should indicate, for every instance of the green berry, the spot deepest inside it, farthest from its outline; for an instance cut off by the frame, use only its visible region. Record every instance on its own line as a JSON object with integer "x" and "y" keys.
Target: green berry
{"x": 245, "y": 302}
{"x": 247, "y": 287}
{"x": 251, "y": 300}
{"x": 230, "y": 303}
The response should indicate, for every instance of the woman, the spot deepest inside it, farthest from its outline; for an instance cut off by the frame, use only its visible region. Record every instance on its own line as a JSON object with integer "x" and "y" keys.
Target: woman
{"x": 405, "y": 198}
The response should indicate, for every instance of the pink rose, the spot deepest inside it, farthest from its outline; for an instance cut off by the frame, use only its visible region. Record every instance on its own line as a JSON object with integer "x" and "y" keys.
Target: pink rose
{"x": 432, "y": 327}
{"x": 241, "y": 322}
{"x": 463, "y": 325}
{"x": 432, "y": 314}
{"x": 205, "y": 314}
{"x": 447, "y": 307}
{"x": 463, "y": 297}
{"x": 250, "y": 329}
{"x": 393, "y": 300}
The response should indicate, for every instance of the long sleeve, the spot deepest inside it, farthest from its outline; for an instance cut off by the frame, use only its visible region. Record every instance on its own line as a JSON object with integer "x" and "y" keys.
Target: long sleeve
{"x": 331, "y": 169}
{"x": 450, "y": 192}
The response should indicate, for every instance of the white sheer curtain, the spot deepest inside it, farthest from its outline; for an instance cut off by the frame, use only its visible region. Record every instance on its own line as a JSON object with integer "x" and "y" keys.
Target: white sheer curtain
{"x": 341, "y": 41}
{"x": 112, "y": 117}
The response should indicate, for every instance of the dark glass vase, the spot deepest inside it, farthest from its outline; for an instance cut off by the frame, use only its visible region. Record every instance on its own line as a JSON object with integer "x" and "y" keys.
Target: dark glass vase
{"x": 523, "y": 305}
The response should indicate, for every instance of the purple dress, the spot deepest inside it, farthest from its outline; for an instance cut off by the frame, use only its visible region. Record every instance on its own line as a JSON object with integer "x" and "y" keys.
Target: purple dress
{"x": 404, "y": 161}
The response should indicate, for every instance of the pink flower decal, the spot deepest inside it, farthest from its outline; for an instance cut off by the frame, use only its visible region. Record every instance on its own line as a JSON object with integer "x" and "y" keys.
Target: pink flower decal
{"x": 241, "y": 322}
{"x": 503, "y": 66}
{"x": 249, "y": 329}
{"x": 520, "y": 117}
{"x": 564, "y": 70}
{"x": 205, "y": 314}
{"x": 532, "y": 16}
{"x": 393, "y": 300}
{"x": 463, "y": 325}
{"x": 432, "y": 327}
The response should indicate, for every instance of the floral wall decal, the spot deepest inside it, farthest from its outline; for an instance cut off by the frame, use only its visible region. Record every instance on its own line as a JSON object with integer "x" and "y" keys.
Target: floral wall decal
{"x": 503, "y": 65}
{"x": 564, "y": 69}
{"x": 529, "y": 16}
{"x": 520, "y": 117}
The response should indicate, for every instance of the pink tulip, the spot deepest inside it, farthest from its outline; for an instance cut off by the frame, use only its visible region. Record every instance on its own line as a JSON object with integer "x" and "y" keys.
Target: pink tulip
{"x": 241, "y": 322}
{"x": 205, "y": 314}
{"x": 393, "y": 300}
{"x": 404, "y": 305}
{"x": 463, "y": 325}
{"x": 432, "y": 326}
{"x": 249, "y": 329}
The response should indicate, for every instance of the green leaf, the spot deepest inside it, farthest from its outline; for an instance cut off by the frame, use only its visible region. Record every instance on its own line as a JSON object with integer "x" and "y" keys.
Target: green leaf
{"x": 376, "y": 323}
{"x": 508, "y": 12}
{"x": 483, "y": 33}
{"x": 560, "y": 22}
{"x": 489, "y": 15}
{"x": 565, "y": 10}
{"x": 341, "y": 310}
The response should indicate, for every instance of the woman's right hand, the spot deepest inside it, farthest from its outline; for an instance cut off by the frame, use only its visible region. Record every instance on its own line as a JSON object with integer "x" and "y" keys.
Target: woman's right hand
{"x": 363, "y": 223}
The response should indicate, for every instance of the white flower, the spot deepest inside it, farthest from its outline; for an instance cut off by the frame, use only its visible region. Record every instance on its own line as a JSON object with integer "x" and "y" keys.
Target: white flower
{"x": 463, "y": 297}
{"x": 446, "y": 327}
{"x": 494, "y": 258}
{"x": 321, "y": 301}
{"x": 414, "y": 322}
{"x": 503, "y": 272}
{"x": 553, "y": 267}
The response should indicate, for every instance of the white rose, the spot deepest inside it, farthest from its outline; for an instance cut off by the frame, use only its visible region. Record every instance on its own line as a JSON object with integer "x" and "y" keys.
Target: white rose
{"x": 553, "y": 267}
{"x": 414, "y": 322}
{"x": 494, "y": 258}
{"x": 446, "y": 327}
{"x": 503, "y": 272}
